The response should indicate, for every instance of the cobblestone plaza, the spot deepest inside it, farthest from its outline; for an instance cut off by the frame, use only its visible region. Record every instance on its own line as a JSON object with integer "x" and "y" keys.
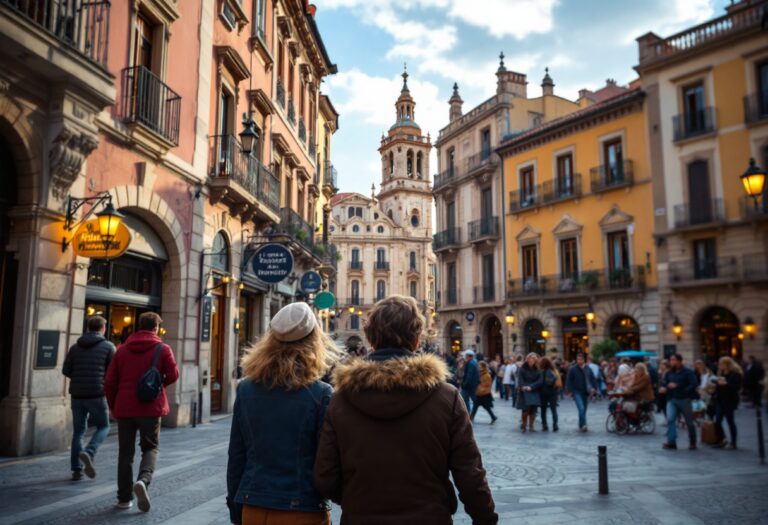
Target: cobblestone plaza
{"x": 540, "y": 478}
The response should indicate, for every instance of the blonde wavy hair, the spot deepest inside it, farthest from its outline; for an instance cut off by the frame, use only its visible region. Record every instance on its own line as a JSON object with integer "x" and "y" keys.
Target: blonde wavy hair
{"x": 726, "y": 365}
{"x": 294, "y": 365}
{"x": 641, "y": 369}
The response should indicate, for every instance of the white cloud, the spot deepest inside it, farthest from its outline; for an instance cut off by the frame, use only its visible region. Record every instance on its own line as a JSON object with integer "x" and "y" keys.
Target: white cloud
{"x": 681, "y": 15}
{"x": 506, "y": 18}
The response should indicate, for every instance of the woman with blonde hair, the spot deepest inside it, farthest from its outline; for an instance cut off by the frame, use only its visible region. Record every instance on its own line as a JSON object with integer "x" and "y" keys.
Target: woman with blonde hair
{"x": 726, "y": 397}
{"x": 277, "y": 419}
{"x": 640, "y": 387}
{"x": 529, "y": 381}
{"x": 484, "y": 396}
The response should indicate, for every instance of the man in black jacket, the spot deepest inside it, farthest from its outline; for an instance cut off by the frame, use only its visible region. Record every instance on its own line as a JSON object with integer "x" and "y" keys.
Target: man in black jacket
{"x": 86, "y": 365}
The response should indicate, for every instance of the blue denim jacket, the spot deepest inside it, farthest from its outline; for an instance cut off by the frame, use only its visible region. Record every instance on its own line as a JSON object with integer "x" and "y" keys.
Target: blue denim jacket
{"x": 272, "y": 448}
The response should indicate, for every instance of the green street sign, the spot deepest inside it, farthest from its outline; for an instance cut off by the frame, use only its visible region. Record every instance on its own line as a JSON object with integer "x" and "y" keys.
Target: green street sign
{"x": 324, "y": 300}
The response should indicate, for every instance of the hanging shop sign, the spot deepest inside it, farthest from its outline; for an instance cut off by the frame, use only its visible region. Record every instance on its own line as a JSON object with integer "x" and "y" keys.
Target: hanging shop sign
{"x": 88, "y": 242}
{"x": 324, "y": 300}
{"x": 470, "y": 316}
{"x": 311, "y": 282}
{"x": 272, "y": 263}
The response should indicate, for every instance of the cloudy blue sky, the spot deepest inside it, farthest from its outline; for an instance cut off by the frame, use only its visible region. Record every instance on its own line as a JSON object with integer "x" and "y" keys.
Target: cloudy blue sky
{"x": 583, "y": 42}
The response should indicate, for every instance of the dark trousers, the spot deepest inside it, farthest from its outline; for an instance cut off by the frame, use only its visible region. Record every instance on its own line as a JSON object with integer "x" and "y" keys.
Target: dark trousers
{"x": 84, "y": 411}
{"x": 486, "y": 402}
{"x": 149, "y": 440}
{"x": 727, "y": 413}
{"x": 548, "y": 402}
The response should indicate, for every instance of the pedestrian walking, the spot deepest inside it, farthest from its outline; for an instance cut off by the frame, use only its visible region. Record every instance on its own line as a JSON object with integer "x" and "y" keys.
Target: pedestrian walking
{"x": 484, "y": 397}
{"x": 499, "y": 379}
{"x": 551, "y": 386}
{"x": 581, "y": 384}
{"x": 395, "y": 431}
{"x": 279, "y": 409}
{"x": 470, "y": 380}
{"x": 510, "y": 376}
{"x": 86, "y": 365}
{"x": 135, "y": 386}
{"x": 726, "y": 398}
{"x": 661, "y": 396}
{"x": 529, "y": 383}
{"x": 679, "y": 386}
{"x": 753, "y": 381}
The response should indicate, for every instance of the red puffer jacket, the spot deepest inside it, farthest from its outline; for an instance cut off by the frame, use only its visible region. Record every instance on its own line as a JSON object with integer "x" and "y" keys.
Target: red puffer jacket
{"x": 132, "y": 360}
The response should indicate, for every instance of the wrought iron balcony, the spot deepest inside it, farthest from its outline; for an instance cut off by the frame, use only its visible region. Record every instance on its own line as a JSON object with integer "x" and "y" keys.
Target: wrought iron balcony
{"x": 330, "y": 175}
{"x": 482, "y": 160}
{"x": 80, "y": 24}
{"x": 328, "y": 254}
{"x": 693, "y": 124}
{"x": 584, "y": 283}
{"x": 445, "y": 177}
{"x": 280, "y": 93}
{"x": 294, "y": 225}
{"x": 607, "y": 177}
{"x": 356, "y": 265}
{"x": 752, "y": 209}
{"x": 484, "y": 229}
{"x": 558, "y": 190}
{"x": 148, "y": 101}
{"x": 756, "y": 106}
{"x": 382, "y": 266}
{"x": 722, "y": 268}
{"x": 291, "y": 110}
{"x": 228, "y": 163}
{"x": 520, "y": 200}
{"x": 451, "y": 296}
{"x": 302, "y": 130}
{"x": 706, "y": 212}
{"x": 446, "y": 239}
{"x": 484, "y": 294}
{"x": 312, "y": 146}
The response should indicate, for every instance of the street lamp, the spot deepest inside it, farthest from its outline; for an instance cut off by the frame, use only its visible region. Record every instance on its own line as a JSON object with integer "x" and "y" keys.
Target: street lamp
{"x": 677, "y": 328}
{"x": 509, "y": 318}
{"x": 351, "y": 309}
{"x": 109, "y": 217}
{"x": 749, "y": 327}
{"x": 545, "y": 334}
{"x": 591, "y": 315}
{"x": 753, "y": 180}
{"x": 249, "y": 135}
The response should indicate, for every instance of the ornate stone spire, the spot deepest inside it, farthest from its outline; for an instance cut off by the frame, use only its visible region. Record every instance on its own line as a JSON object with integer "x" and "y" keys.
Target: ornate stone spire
{"x": 405, "y": 78}
{"x": 455, "y": 103}
{"x": 502, "y": 68}
{"x": 547, "y": 85}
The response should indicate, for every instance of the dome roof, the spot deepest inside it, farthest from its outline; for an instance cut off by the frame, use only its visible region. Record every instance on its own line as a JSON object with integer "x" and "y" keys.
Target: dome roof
{"x": 405, "y": 123}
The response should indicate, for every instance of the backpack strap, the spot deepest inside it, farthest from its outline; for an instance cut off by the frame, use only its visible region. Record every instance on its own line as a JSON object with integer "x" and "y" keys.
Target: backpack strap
{"x": 156, "y": 357}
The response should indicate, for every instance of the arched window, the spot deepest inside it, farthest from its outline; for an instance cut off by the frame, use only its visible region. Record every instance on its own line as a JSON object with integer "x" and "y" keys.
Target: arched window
{"x": 380, "y": 229}
{"x": 355, "y": 229}
{"x": 355, "y": 255}
{"x": 625, "y": 331}
{"x": 533, "y": 339}
{"x": 418, "y": 164}
{"x": 220, "y": 253}
{"x": 414, "y": 286}
{"x": 409, "y": 163}
{"x": 354, "y": 292}
{"x": 415, "y": 220}
{"x": 350, "y": 212}
{"x": 389, "y": 214}
{"x": 381, "y": 255}
{"x": 391, "y": 163}
{"x": 412, "y": 260}
{"x": 381, "y": 290}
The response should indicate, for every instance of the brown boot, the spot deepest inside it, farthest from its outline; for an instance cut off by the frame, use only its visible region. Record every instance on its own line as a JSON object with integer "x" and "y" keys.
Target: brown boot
{"x": 523, "y": 420}
{"x": 531, "y": 420}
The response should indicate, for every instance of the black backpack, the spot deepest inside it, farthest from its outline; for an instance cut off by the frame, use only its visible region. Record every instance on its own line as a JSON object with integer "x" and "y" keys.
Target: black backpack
{"x": 151, "y": 383}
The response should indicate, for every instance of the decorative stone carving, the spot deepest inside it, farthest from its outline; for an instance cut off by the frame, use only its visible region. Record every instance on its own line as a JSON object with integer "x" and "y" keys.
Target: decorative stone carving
{"x": 68, "y": 152}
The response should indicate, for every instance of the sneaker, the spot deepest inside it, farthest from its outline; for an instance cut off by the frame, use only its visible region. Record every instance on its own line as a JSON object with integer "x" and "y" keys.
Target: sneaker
{"x": 124, "y": 505}
{"x": 583, "y": 429}
{"x": 669, "y": 446}
{"x": 77, "y": 475}
{"x": 87, "y": 460}
{"x": 494, "y": 420}
{"x": 554, "y": 428}
{"x": 142, "y": 495}
{"x": 544, "y": 428}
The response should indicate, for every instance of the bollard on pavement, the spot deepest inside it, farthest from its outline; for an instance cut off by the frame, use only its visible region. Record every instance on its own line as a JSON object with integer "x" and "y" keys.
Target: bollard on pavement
{"x": 193, "y": 414}
{"x": 760, "y": 439}
{"x": 602, "y": 467}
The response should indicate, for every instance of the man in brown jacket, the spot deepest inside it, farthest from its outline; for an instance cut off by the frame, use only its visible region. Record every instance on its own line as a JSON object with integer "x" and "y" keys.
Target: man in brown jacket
{"x": 395, "y": 430}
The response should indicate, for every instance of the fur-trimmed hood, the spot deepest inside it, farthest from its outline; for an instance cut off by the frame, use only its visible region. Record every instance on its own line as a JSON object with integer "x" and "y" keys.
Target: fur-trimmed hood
{"x": 390, "y": 388}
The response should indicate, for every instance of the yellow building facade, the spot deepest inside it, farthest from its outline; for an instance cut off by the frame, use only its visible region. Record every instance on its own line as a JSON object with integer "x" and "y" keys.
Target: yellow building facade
{"x": 707, "y": 103}
{"x": 578, "y": 230}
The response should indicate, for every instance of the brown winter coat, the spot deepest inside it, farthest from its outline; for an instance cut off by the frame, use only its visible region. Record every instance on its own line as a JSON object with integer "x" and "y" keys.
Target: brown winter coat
{"x": 641, "y": 388}
{"x": 485, "y": 384}
{"x": 393, "y": 432}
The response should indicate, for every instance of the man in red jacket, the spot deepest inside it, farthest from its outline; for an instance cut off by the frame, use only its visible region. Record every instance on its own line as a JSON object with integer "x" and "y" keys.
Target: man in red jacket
{"x": 132, "y": 360}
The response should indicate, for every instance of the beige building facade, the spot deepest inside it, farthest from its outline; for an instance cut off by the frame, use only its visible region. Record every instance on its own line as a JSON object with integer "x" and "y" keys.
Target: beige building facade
{"x": 385, "y": 241}
{"x": 469, "y": 203}
{"x": 707, "y": 104}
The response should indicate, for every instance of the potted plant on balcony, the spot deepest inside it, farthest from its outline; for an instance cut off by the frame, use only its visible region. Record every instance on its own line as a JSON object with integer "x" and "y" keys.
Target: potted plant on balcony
{"x": 589, "y": 280}
{"x": 621, "y": 277}
{"x": 301, "y": 235}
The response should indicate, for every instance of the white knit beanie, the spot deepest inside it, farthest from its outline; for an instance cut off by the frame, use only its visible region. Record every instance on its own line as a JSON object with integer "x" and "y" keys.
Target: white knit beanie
{"x": 293, "y": 322}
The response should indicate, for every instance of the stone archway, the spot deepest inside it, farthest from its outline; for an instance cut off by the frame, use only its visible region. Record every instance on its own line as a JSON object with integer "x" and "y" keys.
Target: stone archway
{"x": 533, "y": 340}
{"x": 493, "y": 338}
{"x": 625, "y": 330}
{"x": 455, "y": 337}
{"x": 719, "y": 329}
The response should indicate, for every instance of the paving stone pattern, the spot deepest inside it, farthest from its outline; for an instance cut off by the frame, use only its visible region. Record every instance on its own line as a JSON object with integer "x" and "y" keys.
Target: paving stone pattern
{"x": 539, "y": 478}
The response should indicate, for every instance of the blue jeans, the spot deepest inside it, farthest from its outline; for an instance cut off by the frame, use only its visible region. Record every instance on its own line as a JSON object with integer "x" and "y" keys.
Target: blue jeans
{"x": 675, "y": 407}
{"x": 467, "y": 396}
{"x": 96, "y": 412}
{"x": 581, "y": 405}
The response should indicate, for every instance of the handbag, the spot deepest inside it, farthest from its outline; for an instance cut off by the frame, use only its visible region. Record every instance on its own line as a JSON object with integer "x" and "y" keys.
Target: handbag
{"x": 708, "y": 433}
{"x": 151, "y": 382}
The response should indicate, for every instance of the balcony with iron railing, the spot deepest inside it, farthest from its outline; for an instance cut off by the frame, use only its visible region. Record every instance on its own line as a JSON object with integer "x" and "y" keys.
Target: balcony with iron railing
{"x": 754, "y": 209}
{"x": 520, "y": 200}
{"x": 588, "y": 282}
{"x": 330, "y": 176}
{"x": 561, "y": 189}
{"x": 700, "y": 213}
{"x": 449, "y": 238}
{"x": 148, "y": 101}
{"x": 756, "y": 106}
{"x": 743, "y": 17}
{"x": 328, "y": 254}
{"x": 755, "y": 267}
{"x": 451, "y": 296}
{"x": 356, "y": 266}
{"x": 381, "y": 266}
{"x": 611, "y": 176}
{"x": 241, "y": 177}
{"x": 280, "y": 93}
{"x": 484, "y": 229}
{"x": 293, "y": 225}
{"x": 82, "y": 25}
{"x": 480, "y": 162}
{"x": 291, "y": 111}
{"x": 692, "y": 272}
{"x": 445, "y": 177}
{"x": 693, "y": 124}
{"x": 484, "y": 294}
